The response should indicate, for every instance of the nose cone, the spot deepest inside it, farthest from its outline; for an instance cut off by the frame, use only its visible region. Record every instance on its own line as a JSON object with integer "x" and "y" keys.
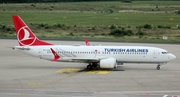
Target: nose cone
{"x": 171, "y": 57}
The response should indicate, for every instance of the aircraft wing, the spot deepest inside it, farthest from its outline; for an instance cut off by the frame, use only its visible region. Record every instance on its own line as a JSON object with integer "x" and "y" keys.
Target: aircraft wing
{"x": 77, "y": 59}
{"x": 87, "y": 60}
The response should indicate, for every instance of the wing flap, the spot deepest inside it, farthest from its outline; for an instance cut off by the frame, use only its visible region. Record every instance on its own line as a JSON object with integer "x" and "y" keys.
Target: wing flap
{"x": 89, "y": 59}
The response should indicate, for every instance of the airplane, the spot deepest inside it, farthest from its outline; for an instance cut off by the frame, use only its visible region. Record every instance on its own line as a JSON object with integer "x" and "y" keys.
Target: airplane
{"x": 95, "y": 56}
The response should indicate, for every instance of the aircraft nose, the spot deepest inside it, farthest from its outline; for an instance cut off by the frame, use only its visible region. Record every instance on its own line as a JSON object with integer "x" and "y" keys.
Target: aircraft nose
{"x": 171, "y": 57}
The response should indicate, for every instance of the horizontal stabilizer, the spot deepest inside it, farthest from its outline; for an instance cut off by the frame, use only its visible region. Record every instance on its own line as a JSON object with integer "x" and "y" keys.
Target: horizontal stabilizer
{"x": 20, "y": 48}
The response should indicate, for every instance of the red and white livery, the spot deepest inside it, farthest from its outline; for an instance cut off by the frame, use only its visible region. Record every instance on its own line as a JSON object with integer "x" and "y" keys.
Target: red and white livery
{"x": 95, "y": 56}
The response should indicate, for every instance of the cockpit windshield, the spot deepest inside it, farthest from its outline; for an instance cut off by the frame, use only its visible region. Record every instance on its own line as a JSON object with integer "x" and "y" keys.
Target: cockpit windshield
{"x": 165, "y": 52}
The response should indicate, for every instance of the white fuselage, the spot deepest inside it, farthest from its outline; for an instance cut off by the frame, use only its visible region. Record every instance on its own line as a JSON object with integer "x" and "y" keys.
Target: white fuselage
{"x": 123, "y": 54}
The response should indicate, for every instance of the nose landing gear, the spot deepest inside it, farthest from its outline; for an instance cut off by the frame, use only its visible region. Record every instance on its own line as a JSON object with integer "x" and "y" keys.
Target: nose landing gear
{"x": 158, "y": 67}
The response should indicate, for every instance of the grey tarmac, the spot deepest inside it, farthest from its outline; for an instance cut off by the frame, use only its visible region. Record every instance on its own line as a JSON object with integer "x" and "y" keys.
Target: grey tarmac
{"x": 24, "y": 76}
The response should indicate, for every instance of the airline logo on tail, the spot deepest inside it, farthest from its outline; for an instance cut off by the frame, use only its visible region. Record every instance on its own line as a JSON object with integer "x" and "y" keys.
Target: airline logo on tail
{"x": 25, "y": 37}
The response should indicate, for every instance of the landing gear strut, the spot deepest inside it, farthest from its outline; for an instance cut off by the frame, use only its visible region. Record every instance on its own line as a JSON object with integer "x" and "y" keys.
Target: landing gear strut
{"x": 158, "y": 67}
{"x": 91, "y": 65}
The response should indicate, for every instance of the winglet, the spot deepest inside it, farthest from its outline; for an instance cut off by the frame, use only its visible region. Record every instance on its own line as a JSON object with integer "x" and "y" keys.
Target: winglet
{"x": 87, "y": 42}
{"x": 56, "y": 56}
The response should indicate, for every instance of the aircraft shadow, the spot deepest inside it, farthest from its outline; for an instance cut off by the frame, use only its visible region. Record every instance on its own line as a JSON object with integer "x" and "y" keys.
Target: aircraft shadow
{"x": 99, "y": 69}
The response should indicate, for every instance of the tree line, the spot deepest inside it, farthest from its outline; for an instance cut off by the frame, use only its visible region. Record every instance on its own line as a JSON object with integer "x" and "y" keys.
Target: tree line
{"x": 48, "y": 1}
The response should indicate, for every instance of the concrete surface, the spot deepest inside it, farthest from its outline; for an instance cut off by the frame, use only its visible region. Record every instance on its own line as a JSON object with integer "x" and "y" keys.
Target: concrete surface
{"x": 25, "y": 76}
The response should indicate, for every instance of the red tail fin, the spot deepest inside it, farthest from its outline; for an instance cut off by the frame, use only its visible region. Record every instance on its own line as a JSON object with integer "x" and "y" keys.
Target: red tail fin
{"x": 87, "y": 42}
{"x": 24, "y": 35}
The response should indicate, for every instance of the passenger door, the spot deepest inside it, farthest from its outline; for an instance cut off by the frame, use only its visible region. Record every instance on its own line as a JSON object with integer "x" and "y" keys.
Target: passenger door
{"x": 154, "y": 54}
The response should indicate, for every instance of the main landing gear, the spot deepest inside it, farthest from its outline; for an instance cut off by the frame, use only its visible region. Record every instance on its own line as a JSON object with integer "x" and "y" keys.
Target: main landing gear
{"x": 91, "y": 65}
{"x": 158, "y": 67}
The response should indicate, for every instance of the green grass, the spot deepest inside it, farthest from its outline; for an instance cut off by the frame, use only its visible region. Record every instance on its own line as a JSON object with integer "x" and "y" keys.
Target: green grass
{"x": 92, "y": 19}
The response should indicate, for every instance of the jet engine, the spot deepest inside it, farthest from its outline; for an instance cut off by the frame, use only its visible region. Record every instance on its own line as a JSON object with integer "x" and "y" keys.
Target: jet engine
{"x": 108, "y": 63}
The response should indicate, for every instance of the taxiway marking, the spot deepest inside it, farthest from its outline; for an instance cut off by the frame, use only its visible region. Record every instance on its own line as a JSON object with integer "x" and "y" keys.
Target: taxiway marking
{"x": 35, "y": 83}
{"x": 74, "y": 70}
{"x": 68, "y": 70}
{"x": 98, "y": 72}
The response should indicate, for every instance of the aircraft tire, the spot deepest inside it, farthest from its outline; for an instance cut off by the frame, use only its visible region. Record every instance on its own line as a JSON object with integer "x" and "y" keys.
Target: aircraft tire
{"x": 89, "y": 67}
{"x": 158, "y": 67}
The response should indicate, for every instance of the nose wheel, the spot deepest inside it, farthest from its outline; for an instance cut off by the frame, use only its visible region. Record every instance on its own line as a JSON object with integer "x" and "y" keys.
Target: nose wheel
{"x": 158, "y": 67}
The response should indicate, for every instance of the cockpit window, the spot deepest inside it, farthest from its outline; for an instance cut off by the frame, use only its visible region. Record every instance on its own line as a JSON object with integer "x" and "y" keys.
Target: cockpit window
{"x": 165, "y": 52}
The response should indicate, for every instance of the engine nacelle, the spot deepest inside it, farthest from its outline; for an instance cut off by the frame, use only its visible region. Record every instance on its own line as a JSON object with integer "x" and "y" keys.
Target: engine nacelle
{"x": 108, "y": 63}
